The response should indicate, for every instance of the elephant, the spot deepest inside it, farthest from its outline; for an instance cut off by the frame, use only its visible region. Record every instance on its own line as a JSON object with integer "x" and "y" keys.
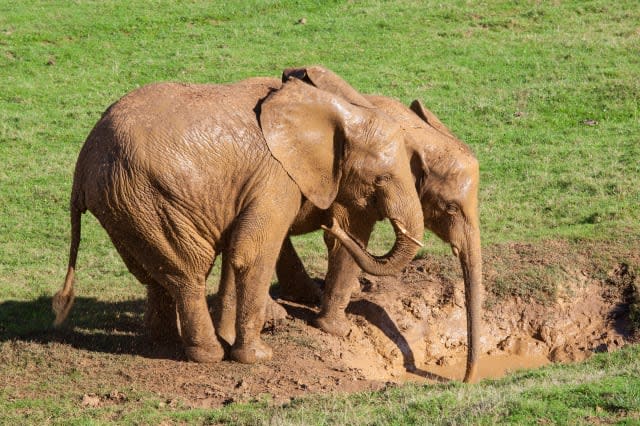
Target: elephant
{"x": 446, "y": 174}
{"x": 178, "y": 173}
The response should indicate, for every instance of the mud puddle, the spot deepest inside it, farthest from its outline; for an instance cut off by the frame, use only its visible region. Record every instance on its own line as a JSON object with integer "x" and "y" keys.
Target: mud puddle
{"x": 489, "y": 366}
{"x": 415, "y": 329}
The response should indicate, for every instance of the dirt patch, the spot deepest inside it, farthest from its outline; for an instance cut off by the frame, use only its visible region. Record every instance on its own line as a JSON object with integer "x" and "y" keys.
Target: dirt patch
{"x": 408, "y": 328}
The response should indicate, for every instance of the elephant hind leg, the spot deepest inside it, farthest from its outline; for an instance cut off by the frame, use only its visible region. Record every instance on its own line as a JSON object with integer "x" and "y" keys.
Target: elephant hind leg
{"x": 198, "y": 335}
{"x": 252, "y": 255}
{"x": 175, "y": 275}
{"x": 160, "y": 317}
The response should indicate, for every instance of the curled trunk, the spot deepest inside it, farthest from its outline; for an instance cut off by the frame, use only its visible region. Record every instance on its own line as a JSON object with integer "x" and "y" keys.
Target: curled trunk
{"x": 404, "y": 249}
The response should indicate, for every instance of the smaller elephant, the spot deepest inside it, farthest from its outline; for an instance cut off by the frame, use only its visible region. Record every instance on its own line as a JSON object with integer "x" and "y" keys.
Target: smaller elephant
{"x": 179, "y": 173}
{"x": 446, "y": 175}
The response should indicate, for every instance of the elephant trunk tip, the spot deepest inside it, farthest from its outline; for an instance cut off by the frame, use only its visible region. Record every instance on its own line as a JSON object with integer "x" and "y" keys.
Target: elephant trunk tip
{"x": 333, "y": 227}
{"x": 471, "y": 373}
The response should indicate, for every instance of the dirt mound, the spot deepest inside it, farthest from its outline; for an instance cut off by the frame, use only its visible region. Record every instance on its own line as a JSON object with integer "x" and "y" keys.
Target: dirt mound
{"x": 408, "y": 328}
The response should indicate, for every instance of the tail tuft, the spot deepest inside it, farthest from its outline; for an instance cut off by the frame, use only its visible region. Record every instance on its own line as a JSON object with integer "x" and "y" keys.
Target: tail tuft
{"x": 62, "y": 303}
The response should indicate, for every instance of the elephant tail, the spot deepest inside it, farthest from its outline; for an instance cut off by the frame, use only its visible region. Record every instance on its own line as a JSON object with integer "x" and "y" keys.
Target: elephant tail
{"x": 63, "y": 299}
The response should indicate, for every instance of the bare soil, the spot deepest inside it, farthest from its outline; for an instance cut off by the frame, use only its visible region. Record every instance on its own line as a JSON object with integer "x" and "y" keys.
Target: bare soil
{"x": 406, "y": 328}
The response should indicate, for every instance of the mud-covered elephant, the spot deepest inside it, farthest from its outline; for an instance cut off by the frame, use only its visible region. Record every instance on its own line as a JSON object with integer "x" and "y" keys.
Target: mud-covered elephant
{"x": 179, "y": 173}
{"x": 446, "y": 177}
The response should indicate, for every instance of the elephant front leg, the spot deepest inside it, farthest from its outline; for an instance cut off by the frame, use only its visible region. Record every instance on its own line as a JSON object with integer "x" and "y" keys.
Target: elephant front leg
{"x": 340, "y": 281}
{"x": 295, "y": 283}
{"x": 253, "y": 256}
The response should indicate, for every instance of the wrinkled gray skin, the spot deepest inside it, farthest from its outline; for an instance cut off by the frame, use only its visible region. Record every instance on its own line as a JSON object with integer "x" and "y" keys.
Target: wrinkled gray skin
{"x": 178, "y": 173}
{"x": 446, "y": 176}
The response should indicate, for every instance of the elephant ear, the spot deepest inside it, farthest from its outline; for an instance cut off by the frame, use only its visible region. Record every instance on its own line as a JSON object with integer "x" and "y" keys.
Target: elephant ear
{"x": 303, "y": 132}
{"x": 328, "y": 81}
{"x": 418, "y": 162}
{"x": 430, "y": 118}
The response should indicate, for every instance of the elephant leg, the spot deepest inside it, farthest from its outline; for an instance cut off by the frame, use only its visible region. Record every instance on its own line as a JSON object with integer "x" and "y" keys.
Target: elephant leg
{"x": 226, "y": 301}
{"x": 252, "y": 291}
{"x": 340, "y": 281}
{"x": 161, "y": 317}
{"x": 295, "y": 283}
{"x": 167, "y": 254}
{"x": 253, "y": 256}
{"x": 197, "y": 332}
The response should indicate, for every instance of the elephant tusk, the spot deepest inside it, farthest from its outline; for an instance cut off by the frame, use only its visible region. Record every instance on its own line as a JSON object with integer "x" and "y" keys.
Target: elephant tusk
{"x": 337, "y": 231}
{"x": 340, "y": 233}
{"x": 402, "y": 229}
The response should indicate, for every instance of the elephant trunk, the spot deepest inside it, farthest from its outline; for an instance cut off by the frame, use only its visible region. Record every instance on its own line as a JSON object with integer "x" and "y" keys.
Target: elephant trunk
{"x": 471, "y": 263}
{"x": 407, "y": 243}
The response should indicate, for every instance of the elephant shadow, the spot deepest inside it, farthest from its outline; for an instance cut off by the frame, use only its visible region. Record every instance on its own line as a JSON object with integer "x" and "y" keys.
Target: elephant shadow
{"x": 378, "y": 317}
{"x": 93, "y": 325}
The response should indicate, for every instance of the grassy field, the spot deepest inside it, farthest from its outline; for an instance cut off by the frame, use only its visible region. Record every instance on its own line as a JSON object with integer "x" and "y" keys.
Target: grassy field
{"x": 546, "y": 93}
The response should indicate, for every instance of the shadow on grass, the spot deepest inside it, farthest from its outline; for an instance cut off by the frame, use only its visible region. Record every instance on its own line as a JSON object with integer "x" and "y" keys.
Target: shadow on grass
{"x": 92, "y": 325}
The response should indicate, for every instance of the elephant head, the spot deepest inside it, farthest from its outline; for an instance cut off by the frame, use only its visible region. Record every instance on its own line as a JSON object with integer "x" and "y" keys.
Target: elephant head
{"x": 340, "y": 152}
{"x": 446, "y": 177}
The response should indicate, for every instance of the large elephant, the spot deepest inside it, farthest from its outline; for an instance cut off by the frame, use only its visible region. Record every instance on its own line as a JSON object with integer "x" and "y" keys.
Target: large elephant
{"x": 178, "y": 173}
{"x": 446, "y": 176}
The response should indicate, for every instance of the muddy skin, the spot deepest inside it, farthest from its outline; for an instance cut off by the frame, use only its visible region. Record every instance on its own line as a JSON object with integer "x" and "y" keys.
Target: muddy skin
{"x": 179, "y": 173}
{"x": 446, "y": 175}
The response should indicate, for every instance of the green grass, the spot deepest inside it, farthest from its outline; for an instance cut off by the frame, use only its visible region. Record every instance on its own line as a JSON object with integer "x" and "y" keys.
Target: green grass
{"x": 546, "y": 93}
{"x": 604, "y": 389}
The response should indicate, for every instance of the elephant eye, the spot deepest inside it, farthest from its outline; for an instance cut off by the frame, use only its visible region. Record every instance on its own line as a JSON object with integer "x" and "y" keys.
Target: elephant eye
{"x": 452, "y": 209}
{"x": 382, "y": 180}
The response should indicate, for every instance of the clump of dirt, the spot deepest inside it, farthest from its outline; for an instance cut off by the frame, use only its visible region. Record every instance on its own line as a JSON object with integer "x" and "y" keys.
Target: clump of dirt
{"x": 407, "y": 328}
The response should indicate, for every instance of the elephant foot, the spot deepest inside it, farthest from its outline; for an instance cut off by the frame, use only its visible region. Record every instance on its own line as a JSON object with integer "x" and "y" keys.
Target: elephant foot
{"x": 205, "y": 355}
{"x": 251, "y": 353}
{"x": 337, "y": 325}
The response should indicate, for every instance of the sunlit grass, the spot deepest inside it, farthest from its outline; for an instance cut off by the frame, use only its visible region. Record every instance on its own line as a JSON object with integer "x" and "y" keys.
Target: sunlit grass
{"x": 546, "y": 93}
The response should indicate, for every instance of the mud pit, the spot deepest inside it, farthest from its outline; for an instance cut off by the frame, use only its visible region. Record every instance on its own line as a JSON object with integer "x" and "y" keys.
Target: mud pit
{"x": 417, "y": 329}
{"x": 409, "y": 328}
